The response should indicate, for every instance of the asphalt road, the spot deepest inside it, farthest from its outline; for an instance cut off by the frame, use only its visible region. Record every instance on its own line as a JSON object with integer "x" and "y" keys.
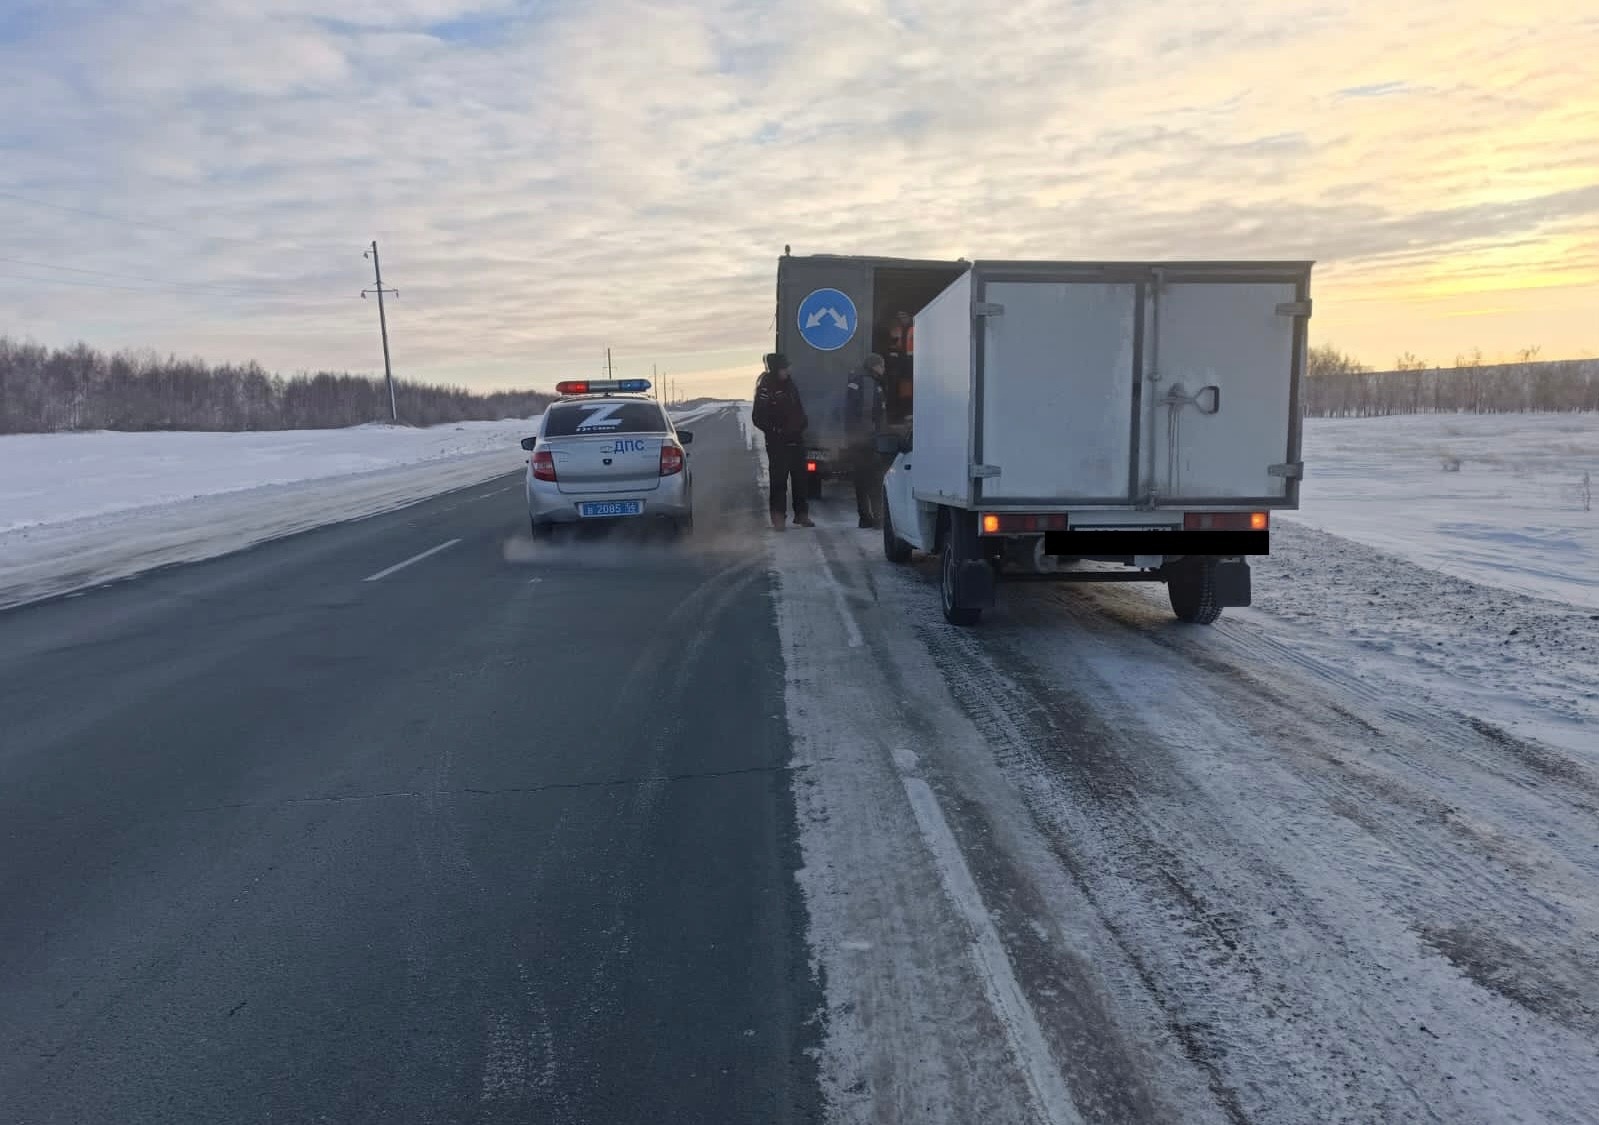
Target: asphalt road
{"x": 506, "y": 833}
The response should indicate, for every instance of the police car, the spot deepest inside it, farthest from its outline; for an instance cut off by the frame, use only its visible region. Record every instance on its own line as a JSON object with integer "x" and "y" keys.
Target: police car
{"x": 606, "y": 453}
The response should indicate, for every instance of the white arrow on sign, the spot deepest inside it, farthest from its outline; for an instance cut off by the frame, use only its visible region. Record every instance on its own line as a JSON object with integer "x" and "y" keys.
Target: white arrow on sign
{"x": 839, "y": 319}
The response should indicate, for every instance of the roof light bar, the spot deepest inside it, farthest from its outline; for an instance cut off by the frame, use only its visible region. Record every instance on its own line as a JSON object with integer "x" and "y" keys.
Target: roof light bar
{"x": 602, "y": 386}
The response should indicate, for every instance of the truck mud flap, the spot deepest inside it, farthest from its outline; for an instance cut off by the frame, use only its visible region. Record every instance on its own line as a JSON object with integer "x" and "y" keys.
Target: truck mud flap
{"x": 974, "y": 584}
{"x": 1231, "y": 583}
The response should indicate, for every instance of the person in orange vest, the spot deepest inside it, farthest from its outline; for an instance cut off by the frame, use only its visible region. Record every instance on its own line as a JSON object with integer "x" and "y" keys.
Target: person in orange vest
{"x": 902, "y": 336}
{"x": 901, "y": 359}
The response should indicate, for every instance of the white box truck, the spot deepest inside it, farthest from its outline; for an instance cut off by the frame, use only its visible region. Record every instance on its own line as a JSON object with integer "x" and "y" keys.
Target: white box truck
{"x": 1073, "y": 414}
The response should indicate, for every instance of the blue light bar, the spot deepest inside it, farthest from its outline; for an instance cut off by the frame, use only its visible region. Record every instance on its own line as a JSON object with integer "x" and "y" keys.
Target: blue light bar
{"x": 602, "y": 386}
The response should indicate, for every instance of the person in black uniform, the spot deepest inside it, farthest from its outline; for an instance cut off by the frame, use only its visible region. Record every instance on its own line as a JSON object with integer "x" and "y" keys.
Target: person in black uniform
{"x": 780, "y": 415}
{"x": 864, "y": 408}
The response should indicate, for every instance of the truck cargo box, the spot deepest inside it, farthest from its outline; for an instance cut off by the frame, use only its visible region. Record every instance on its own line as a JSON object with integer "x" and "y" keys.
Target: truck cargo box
{"x": 832, "y": 311}
{"x": 1112, "y": 385}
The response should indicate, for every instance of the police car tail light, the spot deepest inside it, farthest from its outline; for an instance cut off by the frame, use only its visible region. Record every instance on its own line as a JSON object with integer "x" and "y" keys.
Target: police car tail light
{"x": 671, "y": 459}
{"x": 544, "y": 465}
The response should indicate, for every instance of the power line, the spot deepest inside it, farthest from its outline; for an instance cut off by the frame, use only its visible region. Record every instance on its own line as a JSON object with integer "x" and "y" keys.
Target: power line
{"x": 123, "y": 220}
{"x": 160, "y": 289}
{"x": 128, "y": 276}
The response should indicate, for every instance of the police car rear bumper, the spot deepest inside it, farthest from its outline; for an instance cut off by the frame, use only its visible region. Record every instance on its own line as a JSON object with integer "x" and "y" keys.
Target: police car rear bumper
{"x": 669, "y": 501}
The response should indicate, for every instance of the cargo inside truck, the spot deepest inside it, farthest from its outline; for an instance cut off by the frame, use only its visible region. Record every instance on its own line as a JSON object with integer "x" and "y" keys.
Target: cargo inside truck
{"x": 894, "y": 291}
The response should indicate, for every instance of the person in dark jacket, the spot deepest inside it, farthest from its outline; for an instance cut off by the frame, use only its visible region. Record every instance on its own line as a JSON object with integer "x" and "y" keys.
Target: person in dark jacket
{"x": 780, "y": 415}
{"x": 864, "y": 409}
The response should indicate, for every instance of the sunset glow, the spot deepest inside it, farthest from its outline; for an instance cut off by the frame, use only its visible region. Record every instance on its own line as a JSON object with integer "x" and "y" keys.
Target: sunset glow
{"x": 548, "y": 181}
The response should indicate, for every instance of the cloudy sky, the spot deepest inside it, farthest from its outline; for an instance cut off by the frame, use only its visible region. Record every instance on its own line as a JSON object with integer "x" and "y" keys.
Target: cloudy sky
{"x": 546, "y": 178}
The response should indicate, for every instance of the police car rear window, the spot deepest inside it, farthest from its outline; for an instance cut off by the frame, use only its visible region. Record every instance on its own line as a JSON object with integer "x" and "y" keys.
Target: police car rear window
{"x": 604, "y": 416}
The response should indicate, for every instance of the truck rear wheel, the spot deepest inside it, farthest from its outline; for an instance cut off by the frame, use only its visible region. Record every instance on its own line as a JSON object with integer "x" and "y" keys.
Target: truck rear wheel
{"x": 1192, "y": 589}
{"x": 895, "y": 548}
{"x": 959, "y": 545}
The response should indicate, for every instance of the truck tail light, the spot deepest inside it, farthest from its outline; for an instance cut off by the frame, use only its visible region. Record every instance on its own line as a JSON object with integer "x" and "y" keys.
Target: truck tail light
{"x": 1022, "y": 523}
{"x": 544, "y": 465}
{"x": 1226, "y": 521}
{"x": 671, "y": 459}
{"x": 810, "y": 466}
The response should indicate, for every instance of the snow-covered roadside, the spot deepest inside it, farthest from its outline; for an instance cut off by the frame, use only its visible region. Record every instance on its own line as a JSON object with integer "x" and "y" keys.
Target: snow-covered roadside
{"x": 77, "y": 510}
{"x": 57, "y": 478}
{"x": 1376, "y": 621}
{"x": 47, "y": 560}
{"x": 1494, "y": 499}
{"x": 1236, "y": 877}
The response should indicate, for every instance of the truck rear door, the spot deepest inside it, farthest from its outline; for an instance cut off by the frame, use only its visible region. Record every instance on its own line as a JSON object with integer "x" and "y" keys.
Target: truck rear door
{"x": 1058, "y": 375}
{"x": 1220, "y": 411}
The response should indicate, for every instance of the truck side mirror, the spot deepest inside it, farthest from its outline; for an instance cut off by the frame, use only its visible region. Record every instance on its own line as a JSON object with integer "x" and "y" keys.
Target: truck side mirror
{"x": 890, "y": 444}
{"x": 529, "y": 442}
{"x": 686, "y": 436}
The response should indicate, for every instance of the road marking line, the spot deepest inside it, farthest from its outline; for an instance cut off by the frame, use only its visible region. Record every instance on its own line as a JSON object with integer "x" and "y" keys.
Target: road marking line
{"x": 496, "y": 492}
{"x": 413, "y": 559}
{"x": 852, "y": 629}
{"x": 1028, "y": 1046}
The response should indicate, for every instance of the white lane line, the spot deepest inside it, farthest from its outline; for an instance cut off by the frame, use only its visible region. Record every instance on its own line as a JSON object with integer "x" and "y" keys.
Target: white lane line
{"x": 413, "y": 559}
{"x": 1027, "y": 1043}
{"x": 852, "y": 630}
{"x": 496, "y": 492}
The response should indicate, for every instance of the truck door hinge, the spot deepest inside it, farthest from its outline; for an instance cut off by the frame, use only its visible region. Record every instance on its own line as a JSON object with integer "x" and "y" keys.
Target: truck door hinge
{"x": 987, "y": 308}
{"x": 1292, "y": 470}
{"x": 984, "y": 472}
{"x": 1294, "y": 308}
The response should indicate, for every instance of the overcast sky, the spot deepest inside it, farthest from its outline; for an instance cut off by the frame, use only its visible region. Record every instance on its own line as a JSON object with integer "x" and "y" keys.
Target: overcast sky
{"x": 548, "y": 178}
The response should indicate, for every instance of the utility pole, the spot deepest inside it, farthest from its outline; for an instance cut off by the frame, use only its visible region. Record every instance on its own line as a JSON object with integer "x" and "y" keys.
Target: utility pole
{"x": 655, "y": 381}
{"x": 609, "y": 374}
{"x": 383, "y": 325}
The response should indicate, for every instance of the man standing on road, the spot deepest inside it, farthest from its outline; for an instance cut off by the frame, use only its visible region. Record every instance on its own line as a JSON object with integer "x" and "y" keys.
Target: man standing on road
{"x": 863, "y": 417}
{"x": 780, "y": 415}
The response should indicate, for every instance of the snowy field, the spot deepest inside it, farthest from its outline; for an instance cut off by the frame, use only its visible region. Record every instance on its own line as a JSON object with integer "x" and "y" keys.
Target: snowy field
{"x": 1511, "y": 515}
{"x": 79, "y": 509}
{"x": 52, "y": 478}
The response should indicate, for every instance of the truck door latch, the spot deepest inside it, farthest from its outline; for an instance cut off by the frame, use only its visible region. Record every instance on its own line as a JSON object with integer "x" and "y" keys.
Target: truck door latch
{"x": 1294, "y": 308}
{"x": 984, "y": 472}
{"x": 1292, "y": 470}
{"x": 987, "y": 308}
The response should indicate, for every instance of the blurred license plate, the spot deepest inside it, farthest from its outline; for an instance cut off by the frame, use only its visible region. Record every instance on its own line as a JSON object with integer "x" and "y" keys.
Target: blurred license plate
{"x": 601, "y": 509}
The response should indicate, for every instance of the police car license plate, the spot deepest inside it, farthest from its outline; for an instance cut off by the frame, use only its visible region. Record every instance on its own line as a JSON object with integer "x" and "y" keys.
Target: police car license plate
{"x": 602, "y": 509}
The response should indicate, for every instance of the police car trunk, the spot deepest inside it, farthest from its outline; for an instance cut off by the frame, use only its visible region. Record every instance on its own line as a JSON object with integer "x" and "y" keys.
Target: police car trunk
{"x": 606, "y": 445}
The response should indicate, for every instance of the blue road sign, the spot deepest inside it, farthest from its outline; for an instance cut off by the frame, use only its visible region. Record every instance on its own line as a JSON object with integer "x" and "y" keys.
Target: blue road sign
{"x": 827, "y": 320}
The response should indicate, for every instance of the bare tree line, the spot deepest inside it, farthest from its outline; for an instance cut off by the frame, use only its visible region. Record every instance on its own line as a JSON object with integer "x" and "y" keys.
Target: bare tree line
{"x": 45, "y": 390}
{"x": 1340, "y": 387}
